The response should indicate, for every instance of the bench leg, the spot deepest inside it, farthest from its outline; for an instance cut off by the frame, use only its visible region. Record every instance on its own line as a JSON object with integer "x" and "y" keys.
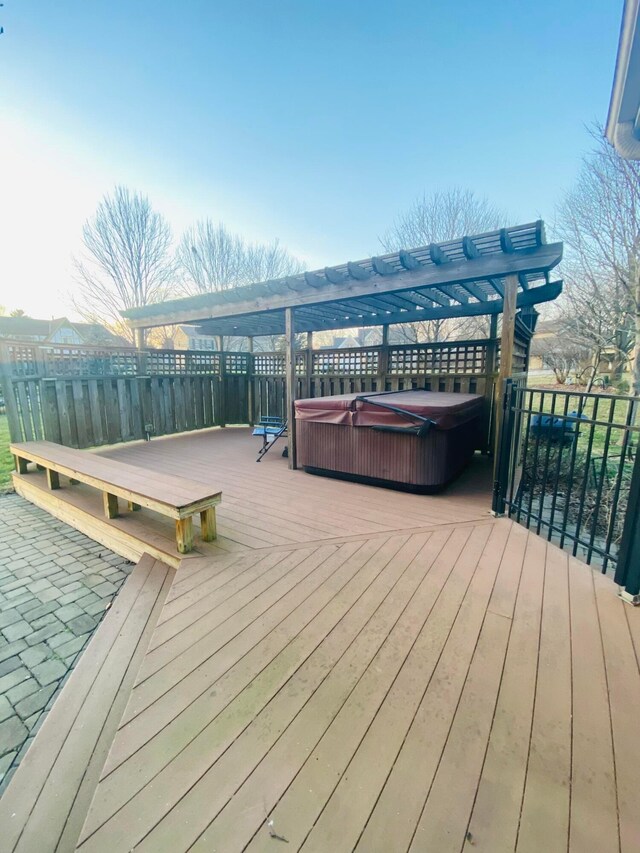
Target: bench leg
{"x": 184, "y": 534}
{"x": 208, "y": 524}
{"x": 133, "y": 507}
{"x": 21, "y": 465}
{"x": 53, "y": 479}
{"x": 110, "y": 505}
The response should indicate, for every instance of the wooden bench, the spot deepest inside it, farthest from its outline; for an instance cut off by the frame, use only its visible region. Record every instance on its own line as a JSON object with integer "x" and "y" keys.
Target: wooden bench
{"x": 175, "y": 497}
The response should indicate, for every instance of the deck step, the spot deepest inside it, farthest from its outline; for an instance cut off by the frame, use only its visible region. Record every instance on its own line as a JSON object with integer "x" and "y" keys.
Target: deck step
{"x": 46, "y": 802}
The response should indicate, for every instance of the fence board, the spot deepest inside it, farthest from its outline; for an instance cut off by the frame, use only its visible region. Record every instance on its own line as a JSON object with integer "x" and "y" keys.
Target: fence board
{"x": 50, "y": 418}
{"x": 124, "y": 409}
{"x": 157, "y": 414}
{"x": 25, "y": 410}
{"x": 136, "y": 420}
{"x": 77, "y": 395}
{"x": 112, "y": 411}
{"x": 207, "y": 401}
{"x": 63, "y": 413}
{"x": 95, "y": 411}
{"x": 36, "y": 408}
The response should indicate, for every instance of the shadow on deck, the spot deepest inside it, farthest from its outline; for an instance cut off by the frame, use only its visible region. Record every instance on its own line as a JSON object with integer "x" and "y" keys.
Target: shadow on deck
{"x": 367, "y": 669}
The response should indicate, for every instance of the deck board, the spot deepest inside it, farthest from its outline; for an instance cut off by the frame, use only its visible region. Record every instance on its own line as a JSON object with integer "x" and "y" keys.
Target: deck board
{"x": 593, "y": 818}
{"x": 496, "y": 812}
{"x": 544, "y": 819}
{"x": 370, "y": 670}
{"x": 624, "y": 702}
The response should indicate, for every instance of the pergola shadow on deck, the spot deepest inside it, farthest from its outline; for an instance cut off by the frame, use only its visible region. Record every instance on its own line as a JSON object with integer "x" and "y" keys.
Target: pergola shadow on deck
{"x": 370, "y": 670}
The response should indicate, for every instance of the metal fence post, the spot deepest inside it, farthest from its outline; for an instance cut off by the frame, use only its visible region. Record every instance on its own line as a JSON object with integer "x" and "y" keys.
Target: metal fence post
{"x": 500, "y": 483}
{"x": 627, "y": 574}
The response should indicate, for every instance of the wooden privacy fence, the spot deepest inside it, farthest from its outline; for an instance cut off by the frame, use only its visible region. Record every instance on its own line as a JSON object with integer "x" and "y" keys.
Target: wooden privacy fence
{"x": 88, "y": 396}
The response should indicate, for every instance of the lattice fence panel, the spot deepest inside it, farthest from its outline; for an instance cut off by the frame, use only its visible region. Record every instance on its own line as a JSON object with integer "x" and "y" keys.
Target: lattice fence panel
{"x": 456, "y": 358}
{"x": 268, "y": 364}
{"x": 349, "y": 362}
{"x": 182, "y": 363}
{"x": 66, "y": 361}
{"x": 273, "y": 364}
{"x": 237, "y": 363}
{"x": 22, "y": 360}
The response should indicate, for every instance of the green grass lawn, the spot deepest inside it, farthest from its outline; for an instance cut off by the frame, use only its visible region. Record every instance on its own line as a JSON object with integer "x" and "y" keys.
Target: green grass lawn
{"x": 6, "y": 460}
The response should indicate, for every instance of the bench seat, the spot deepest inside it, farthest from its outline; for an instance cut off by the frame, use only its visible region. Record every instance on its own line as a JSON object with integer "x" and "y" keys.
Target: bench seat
{"x": 175, "y": 497}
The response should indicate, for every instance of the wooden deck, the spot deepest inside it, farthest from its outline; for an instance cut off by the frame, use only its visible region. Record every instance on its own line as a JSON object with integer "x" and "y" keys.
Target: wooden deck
{"x": 370, "y": 671}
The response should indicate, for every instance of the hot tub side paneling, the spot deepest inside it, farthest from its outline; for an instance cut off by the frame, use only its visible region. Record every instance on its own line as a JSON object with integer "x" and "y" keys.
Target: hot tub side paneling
{"x": 423, "y": 463}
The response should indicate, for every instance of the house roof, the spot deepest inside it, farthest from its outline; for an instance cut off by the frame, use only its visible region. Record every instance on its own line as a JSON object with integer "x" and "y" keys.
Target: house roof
{"x": 462, "y": 277}
{"x": 91, "y": 333}
{"x": 623, "y": 122}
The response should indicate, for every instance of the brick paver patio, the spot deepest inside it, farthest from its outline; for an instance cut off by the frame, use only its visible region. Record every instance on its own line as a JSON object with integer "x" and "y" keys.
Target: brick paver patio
{"x": 55, "y": 584}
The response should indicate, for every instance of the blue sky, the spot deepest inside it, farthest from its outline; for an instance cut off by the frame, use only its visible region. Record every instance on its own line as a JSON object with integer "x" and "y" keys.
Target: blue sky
{"x": 314, "y": 122}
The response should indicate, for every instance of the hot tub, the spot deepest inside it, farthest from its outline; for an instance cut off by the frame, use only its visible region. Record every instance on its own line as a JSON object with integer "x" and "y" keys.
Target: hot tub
{"x": 412, "y": 440}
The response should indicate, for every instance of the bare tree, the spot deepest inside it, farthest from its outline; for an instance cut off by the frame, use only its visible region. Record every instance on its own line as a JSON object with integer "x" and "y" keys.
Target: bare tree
{"x": 599, "y": 220}
{"x": 211, "y": 258}
{"x": 266, "y": 261}
{"x": 126, "y": 261}
{"x": 592, "y": 317}
{"x": 436, "y": 331}
{"x": 560, "y": 353}
{"x": 443, "y": 215}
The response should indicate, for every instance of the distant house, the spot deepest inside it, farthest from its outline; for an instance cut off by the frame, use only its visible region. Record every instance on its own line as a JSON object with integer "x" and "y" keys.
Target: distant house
{"x": 547, "y": 331}
{"x": 60, "y": 331}
{"x": 191, "y": 337}
{"x": 362, "y": 338}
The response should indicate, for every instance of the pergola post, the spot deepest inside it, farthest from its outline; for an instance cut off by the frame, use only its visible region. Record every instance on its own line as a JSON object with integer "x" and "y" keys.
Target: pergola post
{"x": 309, "y": 364}
{"x": 383, "y": 359}
{"x": 506, "y": 349}
{"x": 290, "y": 376}
{"x": 250, "y": 398}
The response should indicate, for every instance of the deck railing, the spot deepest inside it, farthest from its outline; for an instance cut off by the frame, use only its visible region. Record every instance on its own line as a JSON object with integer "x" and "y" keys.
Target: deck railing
{"x": 88, "y": 396}
{"x": 565, "y": 467}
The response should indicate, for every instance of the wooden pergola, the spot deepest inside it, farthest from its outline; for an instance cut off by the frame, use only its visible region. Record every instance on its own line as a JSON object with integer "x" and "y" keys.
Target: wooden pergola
{"x": 493, "y": 273}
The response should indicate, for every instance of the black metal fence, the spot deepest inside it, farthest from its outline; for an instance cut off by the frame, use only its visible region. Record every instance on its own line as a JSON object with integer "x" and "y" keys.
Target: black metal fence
{"x": 566, "y": 468}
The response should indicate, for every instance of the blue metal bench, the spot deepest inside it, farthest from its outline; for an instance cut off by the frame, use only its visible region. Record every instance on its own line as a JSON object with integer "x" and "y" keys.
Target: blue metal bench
{"x": 270, "y": 429}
